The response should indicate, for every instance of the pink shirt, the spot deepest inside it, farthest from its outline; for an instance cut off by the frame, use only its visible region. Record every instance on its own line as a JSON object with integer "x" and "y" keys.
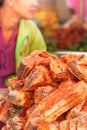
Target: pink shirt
{"x": 75, "y": 5}
{"x": 7, "y": 57}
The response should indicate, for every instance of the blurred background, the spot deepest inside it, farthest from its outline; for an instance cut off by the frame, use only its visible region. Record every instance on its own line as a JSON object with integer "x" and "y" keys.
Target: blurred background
{"x": 63, "y": 25}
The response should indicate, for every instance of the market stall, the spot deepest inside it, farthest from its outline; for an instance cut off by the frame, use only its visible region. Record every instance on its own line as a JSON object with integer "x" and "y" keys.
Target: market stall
{"x": 60, "y": 33}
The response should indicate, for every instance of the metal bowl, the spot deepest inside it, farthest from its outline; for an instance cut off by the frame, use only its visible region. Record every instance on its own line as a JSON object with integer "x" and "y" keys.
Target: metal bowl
{"x": 60, "y": 53}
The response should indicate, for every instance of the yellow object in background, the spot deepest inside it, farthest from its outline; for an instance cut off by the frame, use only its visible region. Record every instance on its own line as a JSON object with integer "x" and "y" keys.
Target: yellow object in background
{"x": 48, "y": 18}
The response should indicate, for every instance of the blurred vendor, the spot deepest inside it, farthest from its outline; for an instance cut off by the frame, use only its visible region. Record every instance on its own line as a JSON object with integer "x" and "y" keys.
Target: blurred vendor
{"x": 18, "y": 35}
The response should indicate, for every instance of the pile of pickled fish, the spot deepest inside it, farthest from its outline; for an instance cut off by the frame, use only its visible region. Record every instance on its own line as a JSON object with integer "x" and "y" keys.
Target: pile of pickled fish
{"x": 48, "y": 93}
{"x": 69, "y": 36}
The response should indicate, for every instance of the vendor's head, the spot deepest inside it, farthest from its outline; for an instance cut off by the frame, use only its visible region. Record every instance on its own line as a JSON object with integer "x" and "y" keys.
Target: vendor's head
{"x": 22, "y": 8}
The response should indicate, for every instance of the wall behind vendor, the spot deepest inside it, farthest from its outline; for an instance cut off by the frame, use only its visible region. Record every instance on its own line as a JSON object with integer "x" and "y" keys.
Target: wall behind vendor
{"x": 46, "y": 3}
{"x": 60, "y": 6}
{"x": 62, "y": 10}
